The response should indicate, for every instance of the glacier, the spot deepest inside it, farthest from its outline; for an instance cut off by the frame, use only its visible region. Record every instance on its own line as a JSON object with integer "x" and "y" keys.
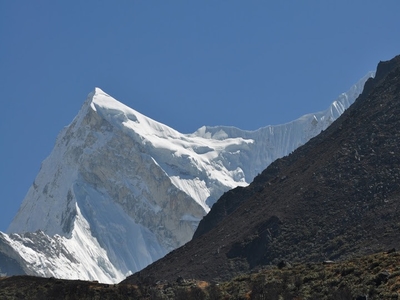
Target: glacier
{"x": 120, "y": 190}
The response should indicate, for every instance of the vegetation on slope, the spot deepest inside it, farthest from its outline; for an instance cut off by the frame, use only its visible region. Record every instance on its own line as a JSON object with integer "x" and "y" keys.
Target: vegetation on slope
{"x": 369, "y": 277}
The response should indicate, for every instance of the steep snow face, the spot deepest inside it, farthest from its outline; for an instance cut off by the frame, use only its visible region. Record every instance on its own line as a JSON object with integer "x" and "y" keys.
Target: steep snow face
{"x": 76, "y": 256}
{"x": 120, "y": 190}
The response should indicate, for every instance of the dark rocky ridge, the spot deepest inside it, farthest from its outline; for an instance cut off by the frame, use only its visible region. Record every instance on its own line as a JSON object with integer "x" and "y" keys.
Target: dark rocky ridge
{"x": 334, "y": 198}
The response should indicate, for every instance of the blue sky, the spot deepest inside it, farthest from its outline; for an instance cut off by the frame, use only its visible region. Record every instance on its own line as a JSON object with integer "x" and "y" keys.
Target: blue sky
{"x": 184, "y": 63}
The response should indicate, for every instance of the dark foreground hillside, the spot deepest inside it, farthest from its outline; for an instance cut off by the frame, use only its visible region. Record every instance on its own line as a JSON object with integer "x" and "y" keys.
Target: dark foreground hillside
{"x": 370, "y": 277}
{"x": 335, "y": 198}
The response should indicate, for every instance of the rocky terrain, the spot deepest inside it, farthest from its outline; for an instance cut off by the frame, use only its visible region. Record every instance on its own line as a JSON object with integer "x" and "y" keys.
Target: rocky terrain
{"x": 370, "y": 277}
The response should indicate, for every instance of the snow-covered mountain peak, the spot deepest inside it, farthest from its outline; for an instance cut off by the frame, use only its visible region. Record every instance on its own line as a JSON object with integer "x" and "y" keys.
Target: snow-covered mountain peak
{"x": 120, "y": 190}
{"x": 173, "y": 151}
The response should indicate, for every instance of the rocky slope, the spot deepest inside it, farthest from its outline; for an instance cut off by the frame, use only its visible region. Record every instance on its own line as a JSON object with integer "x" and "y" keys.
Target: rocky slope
{"x": 334, "y": 198}
{"x": 120, "y": 190}
{"x": 370, "y": 277}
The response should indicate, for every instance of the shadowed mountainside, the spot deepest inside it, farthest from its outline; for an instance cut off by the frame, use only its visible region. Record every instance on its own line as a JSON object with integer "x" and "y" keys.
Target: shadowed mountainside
{"x": 334, "y": 198}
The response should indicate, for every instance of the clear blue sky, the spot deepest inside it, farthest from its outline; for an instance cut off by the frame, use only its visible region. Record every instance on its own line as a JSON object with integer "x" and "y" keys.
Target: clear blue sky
{"x": 184, "y": 63}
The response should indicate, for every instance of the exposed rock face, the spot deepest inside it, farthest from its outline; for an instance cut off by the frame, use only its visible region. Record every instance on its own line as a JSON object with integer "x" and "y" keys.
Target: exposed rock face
{"x": 120, "y": 190}
{"x": 336, "y": 197}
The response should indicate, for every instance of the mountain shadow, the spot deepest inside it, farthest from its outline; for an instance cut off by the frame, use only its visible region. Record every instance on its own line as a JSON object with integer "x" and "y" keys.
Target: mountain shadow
{"x": 337, "y": 197}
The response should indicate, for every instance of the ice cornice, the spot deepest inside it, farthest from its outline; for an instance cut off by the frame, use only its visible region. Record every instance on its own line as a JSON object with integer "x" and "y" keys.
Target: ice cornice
{"x": 335, "y": 109}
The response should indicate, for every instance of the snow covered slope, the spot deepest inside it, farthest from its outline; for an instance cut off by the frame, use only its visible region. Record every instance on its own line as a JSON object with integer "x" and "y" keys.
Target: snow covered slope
{"x": 120, "y": 190}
